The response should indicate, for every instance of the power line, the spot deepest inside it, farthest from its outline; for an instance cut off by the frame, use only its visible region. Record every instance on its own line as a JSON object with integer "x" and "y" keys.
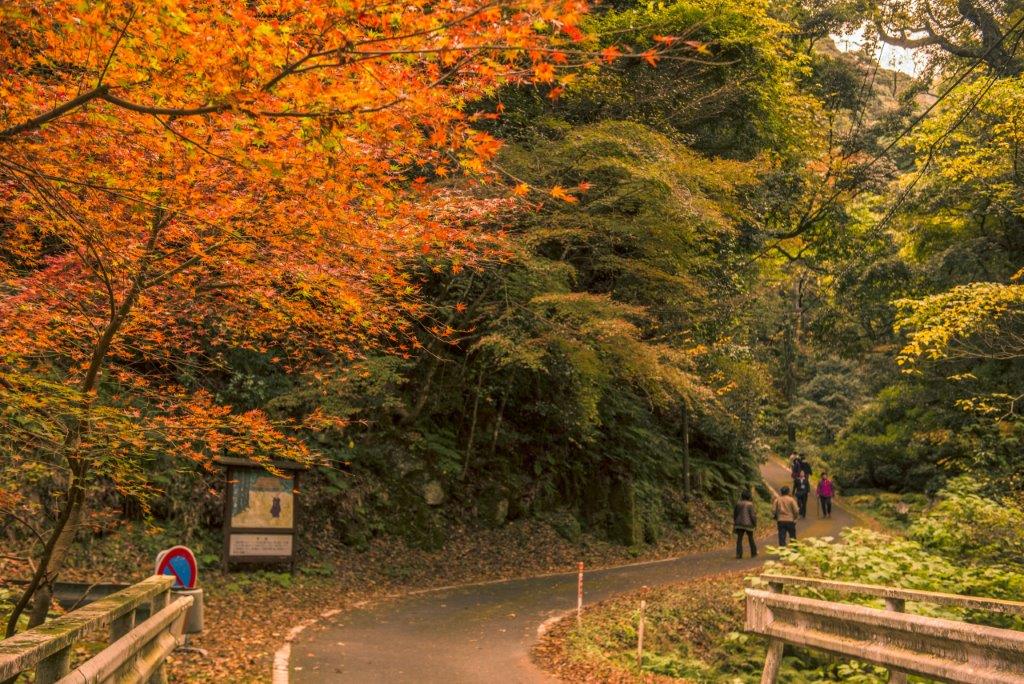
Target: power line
{"x": 959, "y": 121}
{"x": 957, "y": 82}
{"x": 937, "y": 143}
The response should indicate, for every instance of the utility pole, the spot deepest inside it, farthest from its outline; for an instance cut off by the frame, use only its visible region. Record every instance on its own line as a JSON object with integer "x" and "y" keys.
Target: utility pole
{"x": 792, "y": 343}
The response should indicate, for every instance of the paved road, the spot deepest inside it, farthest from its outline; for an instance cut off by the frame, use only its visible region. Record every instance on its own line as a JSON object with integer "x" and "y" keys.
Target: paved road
{"x": 484, "y": 633}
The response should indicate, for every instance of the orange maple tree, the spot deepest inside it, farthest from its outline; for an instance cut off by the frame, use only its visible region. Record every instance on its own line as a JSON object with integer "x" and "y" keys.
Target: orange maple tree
{"x": 184, "y": 176}
{"x": 187, "y": 176}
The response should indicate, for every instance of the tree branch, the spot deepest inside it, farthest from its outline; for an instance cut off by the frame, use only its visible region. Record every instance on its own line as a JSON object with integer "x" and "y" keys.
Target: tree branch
{"x": 54, "y": 113}
{"x": 113, "y": 50}
{"x": 163, "y": 111}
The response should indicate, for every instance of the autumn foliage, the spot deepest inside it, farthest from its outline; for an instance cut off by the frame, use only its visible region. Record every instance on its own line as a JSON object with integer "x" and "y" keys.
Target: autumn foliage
{"x": 238, "y": 158}
{"x": 180, "y": 178}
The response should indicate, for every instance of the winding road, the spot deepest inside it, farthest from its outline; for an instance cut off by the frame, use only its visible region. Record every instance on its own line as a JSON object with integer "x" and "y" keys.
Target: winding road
{"x": 484, "y": 632}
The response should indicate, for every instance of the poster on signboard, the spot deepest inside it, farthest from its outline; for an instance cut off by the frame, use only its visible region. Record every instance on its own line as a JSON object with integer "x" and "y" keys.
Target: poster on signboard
{"x": 262, "y": 500}
{"x": 260, "y": 545}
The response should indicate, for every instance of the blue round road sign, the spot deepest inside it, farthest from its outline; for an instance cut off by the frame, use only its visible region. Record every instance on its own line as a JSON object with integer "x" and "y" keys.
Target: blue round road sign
{"x": 180, "y": 563}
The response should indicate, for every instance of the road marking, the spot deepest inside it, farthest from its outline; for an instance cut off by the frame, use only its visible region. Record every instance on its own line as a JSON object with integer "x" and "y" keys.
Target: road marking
{"x": 282, "y": 656}
{"x": 543, "y": 627}
{"x": 280, "y": 672}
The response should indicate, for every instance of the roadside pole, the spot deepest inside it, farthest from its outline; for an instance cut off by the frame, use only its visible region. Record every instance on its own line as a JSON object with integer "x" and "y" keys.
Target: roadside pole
{"x": 579, "y": 595}
{"x": 640, "y": 629}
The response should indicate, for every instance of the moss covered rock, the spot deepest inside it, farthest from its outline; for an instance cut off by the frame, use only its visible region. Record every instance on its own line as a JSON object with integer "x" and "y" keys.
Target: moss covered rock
{"x": 626, "y": 525}
{"x": 565, "y": 524}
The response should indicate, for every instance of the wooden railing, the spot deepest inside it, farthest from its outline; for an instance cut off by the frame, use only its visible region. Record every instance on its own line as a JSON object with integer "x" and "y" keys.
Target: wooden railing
{"x": 948, "y": 650}
{"x": 135, "y": 653}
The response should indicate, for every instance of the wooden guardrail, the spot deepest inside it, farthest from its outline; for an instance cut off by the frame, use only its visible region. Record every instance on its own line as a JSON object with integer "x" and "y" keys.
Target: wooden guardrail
{"x": 136, "y": 652}
{"x": 948, "y": 650}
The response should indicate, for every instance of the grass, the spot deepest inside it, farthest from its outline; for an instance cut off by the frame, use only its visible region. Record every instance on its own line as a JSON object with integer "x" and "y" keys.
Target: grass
{"x": 692, "y": 633}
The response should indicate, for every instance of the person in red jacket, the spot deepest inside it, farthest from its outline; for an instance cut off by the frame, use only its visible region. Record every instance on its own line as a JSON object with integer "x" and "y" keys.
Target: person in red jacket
{"x": 826, "y": 490}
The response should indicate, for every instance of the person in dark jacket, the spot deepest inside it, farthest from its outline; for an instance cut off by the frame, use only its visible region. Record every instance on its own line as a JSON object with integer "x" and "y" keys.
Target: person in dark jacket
{"x": 798, "y": 464}
{"x": 744, "y": 521}
{"x": 802, "y": 489}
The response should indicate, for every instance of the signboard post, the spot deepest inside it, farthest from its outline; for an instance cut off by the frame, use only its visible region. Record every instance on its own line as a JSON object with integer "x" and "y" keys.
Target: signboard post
{"x": 261, "y": 513}
{"x": 180, "y": 563}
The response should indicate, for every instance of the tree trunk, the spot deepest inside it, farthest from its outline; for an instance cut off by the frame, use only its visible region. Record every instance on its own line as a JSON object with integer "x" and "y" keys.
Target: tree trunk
{"x": 472, "y": 425}
{"x": 791, "y": 356}
{"x": 686, "y": 451}
{"x": 54, "y": 552}
{"x": 497, "y": 423}
{"x": 63, "y": 536}
{"x": 424, "y": 394}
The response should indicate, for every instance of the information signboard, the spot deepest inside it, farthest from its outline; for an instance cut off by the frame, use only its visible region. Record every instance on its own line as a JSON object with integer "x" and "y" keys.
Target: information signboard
{"x": 261, "y": 513}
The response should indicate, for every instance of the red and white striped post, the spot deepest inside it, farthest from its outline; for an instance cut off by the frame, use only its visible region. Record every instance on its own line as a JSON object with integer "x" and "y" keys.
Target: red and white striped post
{"x": 640, "y": 629}
{"x": 579, "y": 594}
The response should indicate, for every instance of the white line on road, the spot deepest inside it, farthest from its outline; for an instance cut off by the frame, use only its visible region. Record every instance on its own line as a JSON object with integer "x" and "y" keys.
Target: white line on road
{"x": 283, "y": 655}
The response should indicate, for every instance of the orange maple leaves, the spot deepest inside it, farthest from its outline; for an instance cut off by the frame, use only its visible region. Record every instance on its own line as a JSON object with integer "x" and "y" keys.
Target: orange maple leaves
{"x": 184, "y": 178}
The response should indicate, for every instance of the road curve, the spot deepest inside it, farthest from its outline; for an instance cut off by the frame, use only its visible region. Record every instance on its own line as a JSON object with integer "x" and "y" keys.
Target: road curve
{"x": 484, "y": 632}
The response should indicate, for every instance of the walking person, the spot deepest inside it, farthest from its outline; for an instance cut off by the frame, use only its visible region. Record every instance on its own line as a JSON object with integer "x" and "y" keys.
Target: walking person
{"x": 798, "y": 464}
{"x": 802, "y": 490}
{"x": 795, "y": 467}
{"x": 785, "y": 511}
{"x": 826, "y": 490}
{"x": 744, "y": 521}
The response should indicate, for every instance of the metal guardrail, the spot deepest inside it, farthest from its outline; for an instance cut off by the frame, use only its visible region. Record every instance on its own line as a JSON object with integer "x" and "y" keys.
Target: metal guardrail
{"x": 948, "y": 650}
{"x": 136, "y": 652}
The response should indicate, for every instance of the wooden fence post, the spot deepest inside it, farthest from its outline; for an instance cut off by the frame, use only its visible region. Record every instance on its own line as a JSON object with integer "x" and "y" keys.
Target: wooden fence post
{"x": 53, "y": 667}
{"x": 122, "y": 625}
{"x": 160, "y": 601}
{"x": 896, "y": 605}
{"x": 772, "y": 661}
{"x": 773, "y": 658}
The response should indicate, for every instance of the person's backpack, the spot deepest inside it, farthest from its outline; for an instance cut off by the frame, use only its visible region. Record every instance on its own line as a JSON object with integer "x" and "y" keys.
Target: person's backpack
{"x": 806, "y": 467}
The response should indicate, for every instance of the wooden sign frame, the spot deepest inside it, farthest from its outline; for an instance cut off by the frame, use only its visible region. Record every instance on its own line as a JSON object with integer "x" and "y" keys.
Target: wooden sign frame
{"x": 232, "y": 468}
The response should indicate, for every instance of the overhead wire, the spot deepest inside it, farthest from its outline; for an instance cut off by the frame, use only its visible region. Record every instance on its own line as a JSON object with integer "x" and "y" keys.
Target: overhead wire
{"x": 909, "y": 128}
{"x": 936, "y": 144}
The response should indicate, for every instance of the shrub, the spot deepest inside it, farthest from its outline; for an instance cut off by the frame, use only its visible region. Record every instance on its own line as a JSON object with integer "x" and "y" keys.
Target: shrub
{"x": 965, "y": 524}
{"x": 862, "y": 555}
